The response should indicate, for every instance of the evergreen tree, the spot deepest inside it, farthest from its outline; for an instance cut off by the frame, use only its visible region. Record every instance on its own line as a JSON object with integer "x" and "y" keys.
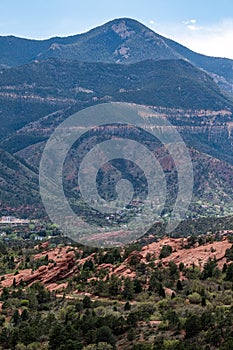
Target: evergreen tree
{"x": 128, "y": 289}
{"x": 179, "y": 285}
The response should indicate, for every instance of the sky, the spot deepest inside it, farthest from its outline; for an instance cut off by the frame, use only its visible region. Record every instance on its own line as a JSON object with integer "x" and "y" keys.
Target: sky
{"x": 205, "y": 26}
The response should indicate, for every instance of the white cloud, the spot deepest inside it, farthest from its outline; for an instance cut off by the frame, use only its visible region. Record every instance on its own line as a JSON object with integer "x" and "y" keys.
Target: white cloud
{"x": 190, "y": 21}
{"x": 193, "y": 27}
{"x": 152, "y": 22}
{"x": 213, "y": 40}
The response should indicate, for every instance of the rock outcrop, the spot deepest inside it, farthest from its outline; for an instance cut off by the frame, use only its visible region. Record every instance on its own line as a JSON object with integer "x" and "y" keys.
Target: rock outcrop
{"x": 62, "y": 266}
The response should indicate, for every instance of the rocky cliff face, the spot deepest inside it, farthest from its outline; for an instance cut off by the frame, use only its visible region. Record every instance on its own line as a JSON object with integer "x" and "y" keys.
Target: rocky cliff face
{"x": 64, "y": 264}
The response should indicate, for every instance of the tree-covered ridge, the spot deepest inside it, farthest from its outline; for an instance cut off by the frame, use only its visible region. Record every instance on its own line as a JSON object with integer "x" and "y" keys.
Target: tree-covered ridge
{"x": 42, "y": 87}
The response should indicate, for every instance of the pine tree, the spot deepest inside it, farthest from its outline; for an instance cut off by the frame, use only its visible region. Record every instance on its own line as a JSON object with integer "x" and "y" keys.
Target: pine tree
{"x": 128, "y": 289}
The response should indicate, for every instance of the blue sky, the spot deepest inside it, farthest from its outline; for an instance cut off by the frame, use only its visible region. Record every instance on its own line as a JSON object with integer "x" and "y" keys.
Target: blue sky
{"x": 203, "y": 25}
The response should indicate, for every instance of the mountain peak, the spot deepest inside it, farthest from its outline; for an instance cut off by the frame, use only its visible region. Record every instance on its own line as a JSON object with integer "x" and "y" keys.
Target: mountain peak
{"x": 126, "y": 27}
{"x": 129, "y": 22}
{"x": 122, "y": 28}
{"x": 122, "y": 40}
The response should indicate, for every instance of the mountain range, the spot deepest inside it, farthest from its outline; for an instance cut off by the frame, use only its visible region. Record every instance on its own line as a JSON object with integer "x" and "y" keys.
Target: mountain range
{"x": 118, "y": 41}
{"x": 42, "y": 82}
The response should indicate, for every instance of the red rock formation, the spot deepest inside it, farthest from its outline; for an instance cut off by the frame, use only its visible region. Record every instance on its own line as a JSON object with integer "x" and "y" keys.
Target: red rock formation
{"x": 63, "y": 265}
{"x": 197, "y": 255}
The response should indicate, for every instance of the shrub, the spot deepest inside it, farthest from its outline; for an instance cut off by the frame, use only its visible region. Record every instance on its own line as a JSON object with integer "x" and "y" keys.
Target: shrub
{"x": 194, "y": 298}
{"x": 165, "y": 251}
